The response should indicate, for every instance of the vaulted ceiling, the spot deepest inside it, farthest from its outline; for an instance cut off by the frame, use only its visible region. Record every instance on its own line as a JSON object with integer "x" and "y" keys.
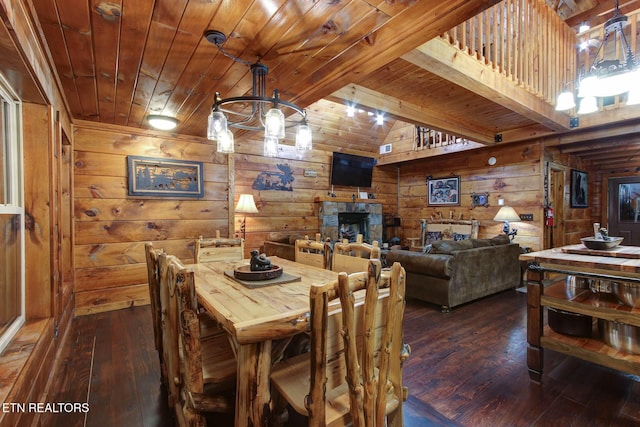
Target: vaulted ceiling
{"x": 120, "y": 60}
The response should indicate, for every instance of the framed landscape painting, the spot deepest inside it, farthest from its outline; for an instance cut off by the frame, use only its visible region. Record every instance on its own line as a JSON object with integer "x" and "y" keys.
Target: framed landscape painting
{"x": 165, "y": 178}
{"x": 579, "y": 189}
{"x": 443, "y": 191}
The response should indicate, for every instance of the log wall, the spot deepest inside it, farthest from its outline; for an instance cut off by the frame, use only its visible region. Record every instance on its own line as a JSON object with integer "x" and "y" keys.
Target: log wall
{"x": 111, "y": 227}
{"x": 516, "y": 177}
{"x": 294, "y": 213}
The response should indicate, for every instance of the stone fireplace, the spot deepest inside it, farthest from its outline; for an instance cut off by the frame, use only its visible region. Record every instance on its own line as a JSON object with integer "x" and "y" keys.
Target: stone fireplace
{"x": 336, "y": 214}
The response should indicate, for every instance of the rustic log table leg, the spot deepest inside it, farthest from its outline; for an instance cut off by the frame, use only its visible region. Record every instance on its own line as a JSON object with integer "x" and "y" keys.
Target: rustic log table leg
{"x": 535, "y": 352}
{"x": 253, "y": 398}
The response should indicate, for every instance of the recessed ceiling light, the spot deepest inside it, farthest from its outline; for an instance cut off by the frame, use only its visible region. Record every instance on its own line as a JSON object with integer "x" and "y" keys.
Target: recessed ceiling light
{"x": 162, "y": 122}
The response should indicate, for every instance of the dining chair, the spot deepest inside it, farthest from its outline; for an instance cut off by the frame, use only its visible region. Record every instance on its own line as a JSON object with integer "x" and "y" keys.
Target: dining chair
{"x": 351, "y": 257}
{"x": 313, "y": 252}
{"x": 351, "y": 375}
{"x": 219, "y": 365}
{"x": 153, "y": 277}
{"x": 218, "y": 249}
{"x": 207, "y": 362}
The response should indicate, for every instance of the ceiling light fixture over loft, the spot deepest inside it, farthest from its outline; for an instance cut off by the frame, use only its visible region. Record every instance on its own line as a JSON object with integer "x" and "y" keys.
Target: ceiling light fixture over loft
{"x": 607, "y": 76}
{"x": 252, "y": 112}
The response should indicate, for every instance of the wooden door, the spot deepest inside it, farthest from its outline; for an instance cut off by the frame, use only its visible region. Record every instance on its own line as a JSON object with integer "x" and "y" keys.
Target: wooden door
{"x": 554, "y": 235}
{"x": 623, "y": 210}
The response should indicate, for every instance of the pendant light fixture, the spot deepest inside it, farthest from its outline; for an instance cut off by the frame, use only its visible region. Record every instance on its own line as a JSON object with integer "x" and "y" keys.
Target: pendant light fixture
{"x": 255, "y": 112}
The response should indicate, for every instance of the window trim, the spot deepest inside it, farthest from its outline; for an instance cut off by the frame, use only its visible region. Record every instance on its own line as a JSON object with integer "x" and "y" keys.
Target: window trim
{"x": 15, "y": 205}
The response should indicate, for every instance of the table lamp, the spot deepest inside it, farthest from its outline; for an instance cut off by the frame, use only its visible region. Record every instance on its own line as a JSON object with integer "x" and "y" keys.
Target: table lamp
{"x": 246, "y": 205}
{"x": 506, "y": 214}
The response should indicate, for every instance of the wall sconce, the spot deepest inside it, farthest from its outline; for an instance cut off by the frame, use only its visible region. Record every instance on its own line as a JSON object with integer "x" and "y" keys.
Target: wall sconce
{"x": 245, "y": 205}
{"x": 507, "y": 214}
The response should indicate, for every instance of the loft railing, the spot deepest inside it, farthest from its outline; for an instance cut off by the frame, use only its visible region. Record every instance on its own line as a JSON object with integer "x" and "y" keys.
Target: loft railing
{"x": 524, "y": 40}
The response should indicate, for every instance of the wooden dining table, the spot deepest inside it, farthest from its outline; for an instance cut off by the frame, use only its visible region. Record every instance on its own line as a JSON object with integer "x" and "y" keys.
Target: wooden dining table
{"x": 255, "y": 318}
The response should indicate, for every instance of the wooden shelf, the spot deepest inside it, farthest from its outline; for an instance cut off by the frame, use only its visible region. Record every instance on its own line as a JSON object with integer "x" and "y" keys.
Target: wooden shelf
{"x": 583, "y": 301}
{"x": 320, "y": 199}
{"x": 591, "y": 349}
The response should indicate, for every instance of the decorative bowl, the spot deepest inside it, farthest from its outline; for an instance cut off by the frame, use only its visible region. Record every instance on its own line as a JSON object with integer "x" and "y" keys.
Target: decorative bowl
{"x": 620, "y": 336}
{"x": 628, "y": 293}
{"x": 600, "y": 244}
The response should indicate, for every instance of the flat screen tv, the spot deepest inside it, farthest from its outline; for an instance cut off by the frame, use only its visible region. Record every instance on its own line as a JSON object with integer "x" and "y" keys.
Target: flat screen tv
{"x": 350, "y": 170}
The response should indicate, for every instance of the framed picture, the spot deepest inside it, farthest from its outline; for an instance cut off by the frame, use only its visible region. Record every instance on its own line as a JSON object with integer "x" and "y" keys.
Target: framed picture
{"x": 443, "y": 191}
{"x": 579, "y": 189}
{"x": 165, "y": 178}
{"x": 479, "y": 199}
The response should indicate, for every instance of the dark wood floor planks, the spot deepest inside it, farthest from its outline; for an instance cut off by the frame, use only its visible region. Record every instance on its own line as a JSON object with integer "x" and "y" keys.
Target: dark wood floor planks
{"x": 467, "y": 368}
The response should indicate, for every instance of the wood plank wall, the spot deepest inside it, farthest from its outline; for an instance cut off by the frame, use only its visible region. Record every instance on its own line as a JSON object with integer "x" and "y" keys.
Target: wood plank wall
{"x": 294, "y": 213}
{"x": 578, "y": 222}
{"x": 111, "y": 227}
{"x": 516, "y": 177}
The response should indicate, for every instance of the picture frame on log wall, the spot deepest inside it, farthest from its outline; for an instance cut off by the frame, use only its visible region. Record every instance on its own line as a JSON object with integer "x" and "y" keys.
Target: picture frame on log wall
{"x": 443, "y": 191}
{"x": 579, "y": 189}
{"x": 158, "y": 177}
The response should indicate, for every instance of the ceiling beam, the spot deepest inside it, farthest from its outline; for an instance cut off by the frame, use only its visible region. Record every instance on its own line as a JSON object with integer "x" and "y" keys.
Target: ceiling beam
{"x": 411, "y": 113}
{"x": 440, "y": 58}
{"x": 423, "y": 20}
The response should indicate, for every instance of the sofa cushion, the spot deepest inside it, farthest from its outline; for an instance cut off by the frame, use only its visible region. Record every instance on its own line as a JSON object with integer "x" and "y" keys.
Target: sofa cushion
{"x": 500, "y": 239}
{"x": 450, "y": 246}
{"x": 438, "y": 265}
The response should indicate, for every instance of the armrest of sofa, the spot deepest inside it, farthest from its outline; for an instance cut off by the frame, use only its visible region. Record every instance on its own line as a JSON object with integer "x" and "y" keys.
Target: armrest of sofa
{"x": 438, "y": 265}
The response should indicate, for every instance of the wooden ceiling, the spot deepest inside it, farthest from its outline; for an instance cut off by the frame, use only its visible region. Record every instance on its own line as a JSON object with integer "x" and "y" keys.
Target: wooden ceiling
{"x": 119, "y": 61}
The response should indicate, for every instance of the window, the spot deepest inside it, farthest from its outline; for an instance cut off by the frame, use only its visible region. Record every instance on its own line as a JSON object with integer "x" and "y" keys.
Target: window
{"x": 11, "y": 218}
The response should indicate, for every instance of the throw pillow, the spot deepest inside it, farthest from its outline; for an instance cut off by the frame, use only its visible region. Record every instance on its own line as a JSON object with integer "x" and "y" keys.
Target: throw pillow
{"x": 427, "y": 248}
{"x": 458, "y": 236}
{"x": 432, "y": 236}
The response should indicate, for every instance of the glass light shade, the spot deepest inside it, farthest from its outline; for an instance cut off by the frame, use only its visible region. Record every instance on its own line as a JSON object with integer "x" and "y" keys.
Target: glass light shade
{"x": 610, "y": 85}
{"x": 274, "y": 123}
{"x": 217, "y": 125}
{"x": 246, "y": 204}
{"x": 225, "y": 142}
{"x": 506, "y": 213}
{"x": 303, "y": 138}
{"x": 270, "y": 146}
{"x": 588, "y": 105}
{"x": 634, "y": 94}
{"x": 162, "y": 122}
{"x": 565, "y": 101}
{"x": 588, "y": 86}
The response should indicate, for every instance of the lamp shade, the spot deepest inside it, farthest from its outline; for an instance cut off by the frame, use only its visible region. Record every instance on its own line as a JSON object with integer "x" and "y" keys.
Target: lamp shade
{"x": 588, "y": 104}
{"x": 506, "y": 213}
{"x": 565, "y": 101}
{"x": 246, "y": 204}
{"x": 303, "y": 138}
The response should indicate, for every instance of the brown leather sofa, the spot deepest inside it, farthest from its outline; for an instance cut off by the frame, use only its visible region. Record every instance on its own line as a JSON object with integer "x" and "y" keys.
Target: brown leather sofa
{"x": 456, "y": 272}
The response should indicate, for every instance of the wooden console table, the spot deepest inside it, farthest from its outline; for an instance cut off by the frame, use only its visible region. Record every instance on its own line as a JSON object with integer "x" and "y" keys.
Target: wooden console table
{"x": 571, "y": 260}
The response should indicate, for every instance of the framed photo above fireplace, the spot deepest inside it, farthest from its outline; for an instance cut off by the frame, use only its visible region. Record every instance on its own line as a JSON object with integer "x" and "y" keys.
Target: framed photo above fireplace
{"x": 443, "y": 191}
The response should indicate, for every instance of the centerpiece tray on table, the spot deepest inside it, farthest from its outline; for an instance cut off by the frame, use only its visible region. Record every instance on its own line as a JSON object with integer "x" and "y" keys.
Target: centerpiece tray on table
{"x": 260, "y": 279}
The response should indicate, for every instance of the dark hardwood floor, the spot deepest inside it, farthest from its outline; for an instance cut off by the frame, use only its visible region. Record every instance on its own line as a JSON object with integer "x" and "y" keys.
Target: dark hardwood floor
{"x": 467, "y": 368}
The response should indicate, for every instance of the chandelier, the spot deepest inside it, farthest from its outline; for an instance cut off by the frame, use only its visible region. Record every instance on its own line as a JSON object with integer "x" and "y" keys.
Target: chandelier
{"x": 255, "y": 112}
{"x": 607, "y": 76}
